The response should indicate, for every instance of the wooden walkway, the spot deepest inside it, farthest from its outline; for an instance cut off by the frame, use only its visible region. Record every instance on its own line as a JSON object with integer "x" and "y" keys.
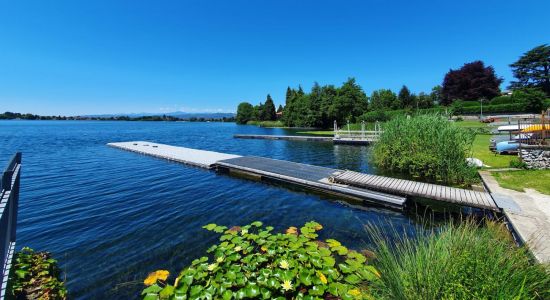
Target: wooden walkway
{"x": 417, "y": 189}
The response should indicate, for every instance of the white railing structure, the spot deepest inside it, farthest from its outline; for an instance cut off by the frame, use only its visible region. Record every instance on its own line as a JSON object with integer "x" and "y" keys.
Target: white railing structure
{"x": 9, "y": 203}
{"x": 347, "y": 135}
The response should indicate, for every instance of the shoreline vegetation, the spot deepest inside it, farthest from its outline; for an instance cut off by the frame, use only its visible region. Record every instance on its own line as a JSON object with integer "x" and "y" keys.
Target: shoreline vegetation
{"x": 468, "y": 90}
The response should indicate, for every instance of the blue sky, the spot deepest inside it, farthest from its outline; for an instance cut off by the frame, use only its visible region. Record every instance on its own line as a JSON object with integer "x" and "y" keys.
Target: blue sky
{"x": 89, "y": 57}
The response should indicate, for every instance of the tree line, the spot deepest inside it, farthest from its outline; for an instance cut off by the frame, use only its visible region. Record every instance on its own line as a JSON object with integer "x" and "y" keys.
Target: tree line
{"x": 473, "y": 81}
{"x": 19, "y": 116}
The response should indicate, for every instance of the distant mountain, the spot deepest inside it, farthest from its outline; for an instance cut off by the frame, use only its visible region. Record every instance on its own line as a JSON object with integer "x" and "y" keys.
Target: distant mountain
{"x": 178, "y": 114}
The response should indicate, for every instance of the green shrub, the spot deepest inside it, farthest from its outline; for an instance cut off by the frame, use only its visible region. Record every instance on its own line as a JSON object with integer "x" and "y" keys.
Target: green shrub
{"x": 533, "y": 99}
{"x": 517, "y": 163}
{"x": 427, "y": 146}
{"x": 501, "y": 100}
{"x": 252, "y": 262}
{"x": 501, "y": 108}
{"x": 373, "y": 116}
{"x": 35, "y": 275}
{"x": 457, "y": 261}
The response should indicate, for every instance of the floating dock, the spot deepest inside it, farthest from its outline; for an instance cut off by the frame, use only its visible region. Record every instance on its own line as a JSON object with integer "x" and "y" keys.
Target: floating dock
{"x": 381, "y": 190}
{"x": 188, "y": 156}
{"x": 284, "y": 137}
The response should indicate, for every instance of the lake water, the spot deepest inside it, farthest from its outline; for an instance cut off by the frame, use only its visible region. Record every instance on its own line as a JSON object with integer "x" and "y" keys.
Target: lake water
{"x": 110, "y": 216}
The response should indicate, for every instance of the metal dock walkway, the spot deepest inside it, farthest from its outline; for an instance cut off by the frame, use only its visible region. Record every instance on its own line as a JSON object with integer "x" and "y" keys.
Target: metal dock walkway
{"x": 306, "y": 175}
{"x": 417, "y": 189}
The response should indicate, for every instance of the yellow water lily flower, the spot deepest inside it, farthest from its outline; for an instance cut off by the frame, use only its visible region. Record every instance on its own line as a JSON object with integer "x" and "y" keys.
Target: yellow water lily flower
{"x": 322, "y": 277}
{"x": 287, "y": 285}
{"x": 264, "y": 248}
{"x": 318, "y": 227}
{"x": 292, "y": 230}
{"x": 219, "y": 259}
{"x": 354, "y": 292}
{"x": 284, "y": 264}
{"x": 211, "y": 267}
{"x": 238, "y": 248}
{"x": 244, "y": 231}
{"x": 154, "y": 276}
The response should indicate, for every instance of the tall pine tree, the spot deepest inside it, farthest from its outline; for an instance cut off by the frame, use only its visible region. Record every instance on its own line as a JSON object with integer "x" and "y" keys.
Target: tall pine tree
{"x": 269, "y": 113}
{"x": 532, "y": 70}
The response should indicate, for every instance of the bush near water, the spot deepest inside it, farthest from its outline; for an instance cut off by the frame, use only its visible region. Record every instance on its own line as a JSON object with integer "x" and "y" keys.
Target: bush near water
{"x": 426, "y": 146}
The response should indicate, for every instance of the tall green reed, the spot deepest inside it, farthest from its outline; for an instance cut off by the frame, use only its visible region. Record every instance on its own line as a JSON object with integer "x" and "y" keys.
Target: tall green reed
{"x": 426, "y": 146}
{"x": 457, "y": 261}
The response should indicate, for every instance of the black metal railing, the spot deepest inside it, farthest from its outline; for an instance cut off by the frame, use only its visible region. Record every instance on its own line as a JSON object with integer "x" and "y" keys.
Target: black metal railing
{"x": 9, "y": 203}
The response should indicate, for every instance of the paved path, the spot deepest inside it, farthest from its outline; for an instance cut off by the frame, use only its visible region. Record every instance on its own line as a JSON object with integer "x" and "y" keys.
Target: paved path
{"x": 528, "y": 213}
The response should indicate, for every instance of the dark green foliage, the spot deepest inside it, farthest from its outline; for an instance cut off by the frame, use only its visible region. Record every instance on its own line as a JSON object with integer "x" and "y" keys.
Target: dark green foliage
{"x": 245, "y": 113}
{"x": 324, "y": 105}
{"x": 427, "y": 146}
{"x": 252, "y": 262}
{"x": 500, "y": 108}
{"x": 501, "y": 100}
{"x": 406, "y": 99}
{"x": 423, "y": 101}
{"x": 280, "y": 108}
{"x": 472, "y": 81}
{"x": 436, "y": 94}
{"x": 268, "y": 113}
{"x": 532, "y": 70}
{"x": 457, "y": 261}
{"x": 384, "y": 99}
{"x": 533, "y": 99}
{"x": 373, "y": 116}
{"x": 35, "y": 275}
{"x": 516, "y": 163}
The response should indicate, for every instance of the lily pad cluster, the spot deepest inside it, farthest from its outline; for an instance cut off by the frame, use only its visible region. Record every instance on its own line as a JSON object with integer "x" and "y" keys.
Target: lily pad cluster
{"x": 253, "y": 262}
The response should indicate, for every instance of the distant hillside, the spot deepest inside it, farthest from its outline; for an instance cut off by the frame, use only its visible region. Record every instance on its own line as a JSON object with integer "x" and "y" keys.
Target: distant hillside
{"x": 177, "y": 114}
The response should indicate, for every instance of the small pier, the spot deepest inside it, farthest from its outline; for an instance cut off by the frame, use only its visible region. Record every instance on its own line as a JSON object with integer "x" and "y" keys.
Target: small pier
{"x": 381, "y": 190}
{"x": 417, "y": 189}
{"x": 284, "y": 137}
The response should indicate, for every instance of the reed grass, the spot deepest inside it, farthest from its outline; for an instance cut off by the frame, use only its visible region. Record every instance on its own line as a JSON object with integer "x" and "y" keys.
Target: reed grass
{"x": 458, "y": 261}
{"x": 426, "y": 146}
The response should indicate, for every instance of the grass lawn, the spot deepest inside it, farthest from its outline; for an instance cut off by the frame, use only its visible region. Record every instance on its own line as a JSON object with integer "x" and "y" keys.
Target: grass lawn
{"x": 481, "y": 151}
{"x": 327, "y": 133}
{"x": 470, "y": 124}
{"x": 518, "y": 180}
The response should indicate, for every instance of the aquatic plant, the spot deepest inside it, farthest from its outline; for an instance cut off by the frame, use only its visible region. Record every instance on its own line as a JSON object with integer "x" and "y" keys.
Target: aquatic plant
{"x": 457, "y": 261}
{"x": 35, "y": 275}
{"x": 426, "y": 146}
{"x": 253, "y": 262}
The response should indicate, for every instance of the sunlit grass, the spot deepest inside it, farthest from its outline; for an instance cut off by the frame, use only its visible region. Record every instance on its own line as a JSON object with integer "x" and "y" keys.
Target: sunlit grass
{"x": 480, "y": 150}
{"x": 519, "y": 180}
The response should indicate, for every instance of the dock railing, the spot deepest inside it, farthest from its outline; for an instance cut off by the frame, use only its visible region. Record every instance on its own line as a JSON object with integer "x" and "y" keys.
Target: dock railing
{"x": 357, "y": 135}
{"x": 9, "y": 203}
